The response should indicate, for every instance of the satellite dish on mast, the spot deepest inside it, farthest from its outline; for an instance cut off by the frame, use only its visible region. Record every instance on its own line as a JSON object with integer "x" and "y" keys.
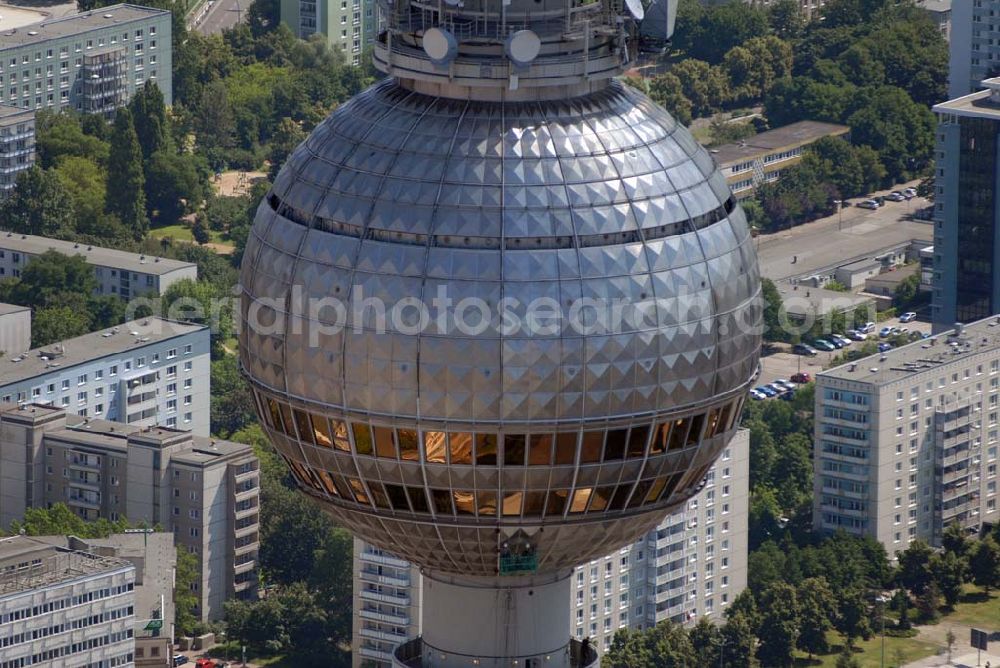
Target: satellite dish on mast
{"x": 635, "y": 8}
{"x": 440, "y": 46}
{"x": 523, "y": 46}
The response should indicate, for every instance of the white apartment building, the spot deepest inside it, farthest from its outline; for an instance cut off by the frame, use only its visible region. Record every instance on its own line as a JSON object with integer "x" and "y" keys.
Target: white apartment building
{"x": 692, "y": 565}
{"x": 906, "y": 441}
{"x": 142, "y": 373}
{"x": 118, "y": 272}
{"x": 59, "y": 607}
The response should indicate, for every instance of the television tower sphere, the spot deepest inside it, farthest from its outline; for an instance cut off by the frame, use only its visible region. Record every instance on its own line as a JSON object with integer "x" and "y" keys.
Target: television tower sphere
{"x": 500, "y": 313}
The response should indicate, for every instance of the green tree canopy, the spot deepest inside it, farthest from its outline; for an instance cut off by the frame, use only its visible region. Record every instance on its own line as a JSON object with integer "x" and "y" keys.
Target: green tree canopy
{"x": 127, "y": 199}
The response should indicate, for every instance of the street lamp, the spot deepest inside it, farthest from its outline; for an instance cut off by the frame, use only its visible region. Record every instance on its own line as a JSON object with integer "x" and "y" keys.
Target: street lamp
{"x": 882, "y": 600}
{"x": 840, "y": 214}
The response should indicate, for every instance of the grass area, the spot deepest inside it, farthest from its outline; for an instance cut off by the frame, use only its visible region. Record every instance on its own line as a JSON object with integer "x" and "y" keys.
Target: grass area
{"x": 182, "y": 232}
{"x": 869, "y": 652}
{"x": 975, "y": 608}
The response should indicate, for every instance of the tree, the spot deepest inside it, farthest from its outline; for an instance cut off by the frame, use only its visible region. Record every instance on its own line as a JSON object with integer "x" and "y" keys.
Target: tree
{"x": 287, "y": 137}
{"x": 173, "y": 186}
{"x": 779, "y": 625}
{"x": 954, "y": 539}
{"x": 929, "y": 602}
{"x": 948, "y": 572}
{"x": 786, "y": 18}
{"x": 774, "y": 329}
{"x": 39, "y": 204}
{"x": 739, "y": 643}
{"x": 705, "y": 86}
{"x": 720, "y": 28}
{"x": 127, "y": 199}
{"x": 846, "y": 659}
{"x": 907, "y": 292}
{"x": 59, "y": 520}
{"x": 54, "y": 279}
{"x": 185, "y": 599}
{"x": 61, "y": 135}
{"x": 852, "y": 620}
{"x": 819, "y": 608}
{"x": 149, "y": 114}
{"x": 232, "y": 402}
{"x": 984, "y": 563}
{"x": 198, "y": 301}
{"x": 765, "y": 515}
{"x": 667, "y": 644}
{"x": 706, "y": 638}
{"x": 914, "y": 572}
{"x": 899, "y": 129}
{"x": 666, "y": 90}
{"x": 793, "y": 471}
{"x": 57, "y": 323}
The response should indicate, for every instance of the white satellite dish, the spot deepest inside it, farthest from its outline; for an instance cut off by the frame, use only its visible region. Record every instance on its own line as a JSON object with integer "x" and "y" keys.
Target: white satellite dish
{"x": 635, "y": 8}
{"x": 440, "y": 46}
{"x": 522, "y": 47}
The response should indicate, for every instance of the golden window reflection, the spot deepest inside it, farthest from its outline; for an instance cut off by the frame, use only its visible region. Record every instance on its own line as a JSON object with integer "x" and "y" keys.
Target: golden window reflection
{"x": 384, "y": 445}
{"x": 436, "y": 447}
{"x": 465, "y": 502}
{"x": 340, "y": 439}
{"x": 512, "y": 504}
{"x": 540, "y": 450}
{"x": 460, "y": 447}
{"x": 409, "y": 449}
{"x": 362, "y": 438}
{"x": 580, "y": 498}
{"x": 321, "y": 431}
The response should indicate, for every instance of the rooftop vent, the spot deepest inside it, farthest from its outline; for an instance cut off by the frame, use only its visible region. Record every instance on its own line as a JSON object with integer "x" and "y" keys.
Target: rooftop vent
{"x": 852, "y": 366}
{"x": 32, "y": 32}
{"x": 874, "y": 369}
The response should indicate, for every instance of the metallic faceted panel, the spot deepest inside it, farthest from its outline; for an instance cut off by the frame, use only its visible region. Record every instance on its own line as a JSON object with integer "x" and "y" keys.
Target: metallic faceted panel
{"x": 601, "y": 197}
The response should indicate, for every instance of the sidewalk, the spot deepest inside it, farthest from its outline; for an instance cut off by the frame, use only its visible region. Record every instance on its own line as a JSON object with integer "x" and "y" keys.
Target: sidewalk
{"x": 965, "y": 660}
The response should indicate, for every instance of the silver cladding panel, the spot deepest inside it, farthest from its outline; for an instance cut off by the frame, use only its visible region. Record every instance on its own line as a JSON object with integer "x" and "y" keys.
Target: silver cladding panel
{"x": 400, "y": 193}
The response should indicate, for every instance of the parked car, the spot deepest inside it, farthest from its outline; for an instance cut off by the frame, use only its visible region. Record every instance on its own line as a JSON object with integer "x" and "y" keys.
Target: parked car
{"x": 868, "y": 328}
{"x": 909, "y": 193}
{"x": 885, "y": 332}
{"x": 804, "y": 349}
{"x": 909, "y": 316}
{"x": 781, "y": 382}
{"x": 868, "y": 204}
{"x": 884, "y": 346}
{"x": 895, "y": 196}
{"x": 801, "y": 377}
{"x": 778, "y": 387}
{"x": 856, "y": 335}
{"x": 839, "y": 337}
{"x": 180, "y": 659}
{"x": 757, "y": 395}
{"x": 823, "y": 344}
{"x": 767, "y": 391}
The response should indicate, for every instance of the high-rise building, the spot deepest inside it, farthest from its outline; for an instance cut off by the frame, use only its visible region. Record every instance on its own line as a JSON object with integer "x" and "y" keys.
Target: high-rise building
{"x": 690, "y": 566}
{"x": 348, "y": 25}
{"x": 143, "y": 373}
{"x": 91, "y": 62}
{"x": 551, "y": 312}
{"x": 60, "y": 607}
{"x": 966, "y": 211}
{"x": 17, "y": 144}
{"x": 120, "y": 273}
{"x": 975, "y": 45}
{"x": 205, "y": 491}
{"x": 155, "y": 560}
{"x": 906, "y": 441}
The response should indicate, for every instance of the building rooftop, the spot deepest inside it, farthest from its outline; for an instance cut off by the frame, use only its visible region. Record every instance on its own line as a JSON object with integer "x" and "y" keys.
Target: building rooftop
{"x": 802, "y": 300}
{"x": 134, "y": 334}
{"x": 925, "y": 355}
{"x": 12, "y": 17}
{"x": 984, "y": 103}
{"x": 788, "y": 136}
{"x": 8, "y": 112}
{"x": 105, "y": 257}
{"x": 861, "y": 265}
{"x": 7, "y": 309}
{"x": 935, "y": 5}
{"x": 76, "y": 24}
{"x": 28, "y": 563}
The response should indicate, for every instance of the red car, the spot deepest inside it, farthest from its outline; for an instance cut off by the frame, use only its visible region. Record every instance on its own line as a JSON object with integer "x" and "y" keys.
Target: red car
{"x": 801, "y": 377}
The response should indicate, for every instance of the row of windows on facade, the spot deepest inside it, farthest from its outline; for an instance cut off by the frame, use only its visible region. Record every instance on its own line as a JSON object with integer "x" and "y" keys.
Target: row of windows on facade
{"x": 490, "y": 449}
{"x": 65, "y": 602}
{"x": 77, "y": 47}
{"x": 49, "y": 70}
{"x": 71, "y": 649}
{"x": 70, "y": 625}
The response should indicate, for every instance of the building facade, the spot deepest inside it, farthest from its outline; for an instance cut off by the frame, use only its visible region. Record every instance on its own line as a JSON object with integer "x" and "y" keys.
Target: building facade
{"x": 205, "y": 491}
{"x": 17, "y": 144}
{"x": 763, "y": 157}
{"x": 691, "y": 566}
{"x": 975, "y": 45}
{"x": 906, "y": 441}
{"x": 142, "y": 373}
{"x": 349, "y": 25}
{"x": 120, "y": 273}
{"x": 966, "y": 211}
{"x": 91, "y": 62}
{"x": 59, "y": 607}
{"x": 15, "y": 329}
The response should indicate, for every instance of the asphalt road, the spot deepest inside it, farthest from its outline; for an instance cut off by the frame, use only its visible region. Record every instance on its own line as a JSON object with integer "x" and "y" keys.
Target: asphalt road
{"x": 837, "y": 239}
{"x": 220, "y": 15}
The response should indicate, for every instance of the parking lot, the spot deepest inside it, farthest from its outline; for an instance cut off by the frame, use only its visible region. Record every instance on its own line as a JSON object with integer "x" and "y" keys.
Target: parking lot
{"x": 784, "y": 363}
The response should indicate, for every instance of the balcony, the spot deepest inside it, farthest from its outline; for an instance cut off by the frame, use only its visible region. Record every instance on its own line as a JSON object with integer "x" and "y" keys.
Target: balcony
{"x": 371, "y": 653}
{"x": 249, "y": 547}
{"x": 385, "y": 617}
{"x": 245, "y": 567}
{"x": 85, "y": 463}
{"x": 410, "y": 655}
{"x": 386, "y": 636}
{"x": 385, "y": 598}
{"x": 385, "y": 559}
{"x": 373, "y": 576}
{"x": 85, "y": 501}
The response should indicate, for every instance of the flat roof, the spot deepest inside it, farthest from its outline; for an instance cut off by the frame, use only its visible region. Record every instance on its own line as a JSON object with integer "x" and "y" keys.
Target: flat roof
{"x": 136, "y": 334}
{"x": 974, "y": 104}
{"x": 98, "y": 255}
{"x": 863, "y": 263}
{"x": 76, "y": 24}
{"x": 922, "y": 356}
{"x": 12, "y": 17}
{"x": 52, "y": 564}
{"x": 7, "y": 309}
{"x": 787, "y": 136}
{"x": 935, "y": 5}
{"x": 808, "y": 300}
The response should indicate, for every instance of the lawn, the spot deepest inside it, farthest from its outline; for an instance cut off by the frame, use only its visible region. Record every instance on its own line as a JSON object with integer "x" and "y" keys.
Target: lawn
{"x": 976, "y": 609}
{"x": 869, "y": 652}
{"x": 182, "y": 232}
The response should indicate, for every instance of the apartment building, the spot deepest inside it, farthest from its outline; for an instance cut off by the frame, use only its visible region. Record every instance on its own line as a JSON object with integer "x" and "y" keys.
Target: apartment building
{"x": 155, "y": 560}
{"x": 205, "y": 491}
{"x": 15, "y": 329}
{"x": 17, "y": 144}
{"x": 91, "y": 62}
{"x": 348, "y": 25}
{"x": 142, "y": 373}
{"x": 906, "y": 441}
{"x": 60, "y": 607}
{"x": 691, "y": 566}
{"x": 120, "y": 273}
{"x": 975, "y": 45}
{"x": 763, "y": 157}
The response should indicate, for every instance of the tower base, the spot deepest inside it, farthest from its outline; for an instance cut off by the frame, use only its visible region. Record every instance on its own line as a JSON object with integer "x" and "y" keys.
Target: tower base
{"x": 495, "y": 622}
